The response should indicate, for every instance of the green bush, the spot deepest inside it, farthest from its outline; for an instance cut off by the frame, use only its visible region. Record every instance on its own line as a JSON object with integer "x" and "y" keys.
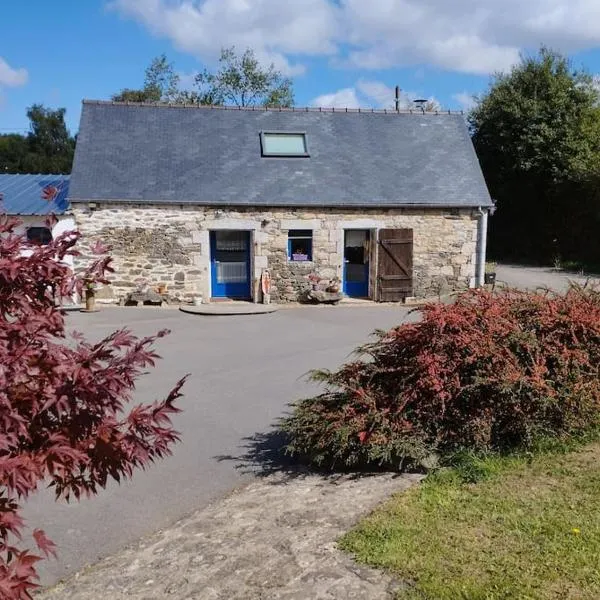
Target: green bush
{"x": 491, "y": 372}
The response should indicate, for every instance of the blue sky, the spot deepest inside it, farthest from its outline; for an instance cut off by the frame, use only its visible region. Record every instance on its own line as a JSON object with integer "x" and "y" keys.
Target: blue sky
{"x": 339, "y": 52}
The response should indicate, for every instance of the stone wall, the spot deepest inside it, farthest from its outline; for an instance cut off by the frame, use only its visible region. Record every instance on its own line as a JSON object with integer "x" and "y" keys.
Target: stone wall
{"x": 170, "y": 244}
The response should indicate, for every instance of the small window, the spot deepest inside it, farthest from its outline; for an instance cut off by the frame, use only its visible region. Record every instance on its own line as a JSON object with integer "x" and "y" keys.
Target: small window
{"x": 283, "y": 144}
{"x": 39, "y": 235}
{"x": 300, "y": 245}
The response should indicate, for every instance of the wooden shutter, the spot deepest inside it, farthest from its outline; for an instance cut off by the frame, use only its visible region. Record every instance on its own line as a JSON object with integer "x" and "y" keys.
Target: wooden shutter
{"x": 395, "y": 265}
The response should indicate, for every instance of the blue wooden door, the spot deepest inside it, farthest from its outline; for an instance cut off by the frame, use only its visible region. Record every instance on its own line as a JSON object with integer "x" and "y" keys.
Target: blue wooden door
{"x": 230, "y": 264}
{"x": 356, "y": 263}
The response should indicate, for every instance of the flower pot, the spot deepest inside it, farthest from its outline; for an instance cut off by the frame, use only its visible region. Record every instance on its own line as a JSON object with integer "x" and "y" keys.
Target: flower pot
{"x": 90, "y": 300}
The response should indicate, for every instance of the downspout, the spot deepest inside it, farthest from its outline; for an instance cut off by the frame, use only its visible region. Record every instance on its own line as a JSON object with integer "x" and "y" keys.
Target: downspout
{"x": 481, "y": 246}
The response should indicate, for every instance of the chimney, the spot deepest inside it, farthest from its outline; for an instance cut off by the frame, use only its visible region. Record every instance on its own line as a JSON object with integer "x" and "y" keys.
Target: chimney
{"x": 397, "y": 98}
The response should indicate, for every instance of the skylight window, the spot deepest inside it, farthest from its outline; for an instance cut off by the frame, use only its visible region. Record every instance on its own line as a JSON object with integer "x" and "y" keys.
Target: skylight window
{"x": 283, "y": 144}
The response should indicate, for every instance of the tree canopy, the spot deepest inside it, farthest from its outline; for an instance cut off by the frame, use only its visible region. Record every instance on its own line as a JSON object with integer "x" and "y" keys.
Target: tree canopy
{"x": 47, "y": 148}
{"x": 240, "y": 80}
{"x": 67, "y": 419}
{"x": 537, "y": 136}
{"x": 161, "y": 84}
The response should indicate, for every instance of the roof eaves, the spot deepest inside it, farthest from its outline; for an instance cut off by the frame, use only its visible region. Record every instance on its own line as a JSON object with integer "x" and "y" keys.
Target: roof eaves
{"x": 280, "y": 205}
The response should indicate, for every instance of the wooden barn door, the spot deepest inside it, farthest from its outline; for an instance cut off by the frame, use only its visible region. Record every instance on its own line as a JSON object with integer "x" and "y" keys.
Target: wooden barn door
{"x": 395, "y": 265}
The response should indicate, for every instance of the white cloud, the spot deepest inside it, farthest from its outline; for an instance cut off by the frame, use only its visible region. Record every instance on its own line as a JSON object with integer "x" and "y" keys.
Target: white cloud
{"x": 345, "y": 98}
{"x": 465, "y": 100}
{"x": 274, "y": 29}
{"x": 472, "y": 36}
{"x": 11, "y": 77}
{"x": 377, "y": 92}
{"x": 370, "y": 94}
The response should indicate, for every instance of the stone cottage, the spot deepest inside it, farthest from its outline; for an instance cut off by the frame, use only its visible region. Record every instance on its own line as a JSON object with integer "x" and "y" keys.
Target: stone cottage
{"x": 205, "y": 199}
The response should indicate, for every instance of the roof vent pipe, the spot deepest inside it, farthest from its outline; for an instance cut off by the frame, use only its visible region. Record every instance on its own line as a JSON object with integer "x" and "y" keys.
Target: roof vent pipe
{"x": 421, "y": 103}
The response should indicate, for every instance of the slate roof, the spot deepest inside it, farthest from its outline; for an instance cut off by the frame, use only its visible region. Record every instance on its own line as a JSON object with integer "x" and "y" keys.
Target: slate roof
{"x": 34, "y": 194}
{"x": 212, "y": 156}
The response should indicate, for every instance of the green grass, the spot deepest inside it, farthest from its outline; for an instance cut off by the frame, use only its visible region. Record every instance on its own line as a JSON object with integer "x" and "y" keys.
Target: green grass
{"x": 512, "y": 528}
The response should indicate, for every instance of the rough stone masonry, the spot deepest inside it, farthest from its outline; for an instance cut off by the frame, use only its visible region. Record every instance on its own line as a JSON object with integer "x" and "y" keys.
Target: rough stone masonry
{"x": 165, "y": 244}
{"x": 272, "y": 540}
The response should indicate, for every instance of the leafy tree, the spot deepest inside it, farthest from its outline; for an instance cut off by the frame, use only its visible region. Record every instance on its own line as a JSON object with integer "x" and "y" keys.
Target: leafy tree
{"x": 241, "y": 81}
{"x": 132, "y": 95}
{"x": 537, "y": 135}
{"x": 50, "y": 145}
{"x": 161, "y": 84}
{"x": 161, "y": 79}
{"x": 13, "y": 152}
{"x": 432, "y": 105}
{"x": 63, "y": 416}
{"x": 205, "y": 97}
{"x": 47, "y": 148}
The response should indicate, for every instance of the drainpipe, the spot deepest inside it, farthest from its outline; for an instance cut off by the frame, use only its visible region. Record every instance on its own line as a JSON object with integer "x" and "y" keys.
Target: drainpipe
{"x": 481, "y": 248}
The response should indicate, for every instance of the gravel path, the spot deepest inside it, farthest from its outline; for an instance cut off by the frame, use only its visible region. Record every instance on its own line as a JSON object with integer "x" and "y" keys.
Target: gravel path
{"x": 540, "y": 277}
{"x": 273, "y": 539}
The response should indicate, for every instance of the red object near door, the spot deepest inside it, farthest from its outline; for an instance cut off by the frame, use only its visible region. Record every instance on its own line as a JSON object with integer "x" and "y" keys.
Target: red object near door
{"x": 265, "y": 282}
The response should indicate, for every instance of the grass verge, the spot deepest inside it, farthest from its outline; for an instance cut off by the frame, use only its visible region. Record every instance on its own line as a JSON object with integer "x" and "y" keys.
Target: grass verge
{"x": 494, "y": 528}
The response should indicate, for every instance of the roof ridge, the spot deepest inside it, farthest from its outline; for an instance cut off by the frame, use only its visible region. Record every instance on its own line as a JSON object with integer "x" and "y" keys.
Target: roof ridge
{"x": 382, "y": 111}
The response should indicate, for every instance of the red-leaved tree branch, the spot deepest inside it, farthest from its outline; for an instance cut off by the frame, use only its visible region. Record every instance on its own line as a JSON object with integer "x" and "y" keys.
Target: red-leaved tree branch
{"x": 64, "y": 419}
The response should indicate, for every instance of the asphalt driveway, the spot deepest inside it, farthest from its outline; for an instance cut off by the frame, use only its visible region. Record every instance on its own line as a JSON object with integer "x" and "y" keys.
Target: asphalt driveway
{"x": 539, "y": 277}
{"x": 245, "y": 370}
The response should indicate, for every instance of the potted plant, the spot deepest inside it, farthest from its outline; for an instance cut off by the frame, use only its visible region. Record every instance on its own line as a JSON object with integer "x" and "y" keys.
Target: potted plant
{"x": 89, "y": 288}
{"x": 334, "y": 286}
{"x": 490, "y": 273}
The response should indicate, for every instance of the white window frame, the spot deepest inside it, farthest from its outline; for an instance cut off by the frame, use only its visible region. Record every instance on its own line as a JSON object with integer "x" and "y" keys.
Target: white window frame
{"x": 267, "y": 154}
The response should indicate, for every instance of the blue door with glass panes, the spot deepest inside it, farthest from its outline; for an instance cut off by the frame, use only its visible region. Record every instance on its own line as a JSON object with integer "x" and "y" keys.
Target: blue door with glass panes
{"x": 230, "y": 264}
{"x": 356, "y": 263}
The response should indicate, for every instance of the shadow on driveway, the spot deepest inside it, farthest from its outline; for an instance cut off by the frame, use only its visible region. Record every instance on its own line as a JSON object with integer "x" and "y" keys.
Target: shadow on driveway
{"x": 264, "y": 454}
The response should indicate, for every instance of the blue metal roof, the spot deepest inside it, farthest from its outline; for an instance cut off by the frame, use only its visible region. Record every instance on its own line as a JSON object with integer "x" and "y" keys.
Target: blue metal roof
{"x": 34, "y": 194}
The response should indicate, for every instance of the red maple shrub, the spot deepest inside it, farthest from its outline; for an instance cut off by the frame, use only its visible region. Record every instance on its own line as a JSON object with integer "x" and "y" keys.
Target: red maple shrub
{"x": 63, "y": 417}
{"x": 490, "y": 372}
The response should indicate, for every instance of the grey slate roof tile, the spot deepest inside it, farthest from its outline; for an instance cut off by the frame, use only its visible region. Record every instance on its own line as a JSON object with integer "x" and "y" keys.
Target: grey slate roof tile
{"x": 212, "y": 156}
